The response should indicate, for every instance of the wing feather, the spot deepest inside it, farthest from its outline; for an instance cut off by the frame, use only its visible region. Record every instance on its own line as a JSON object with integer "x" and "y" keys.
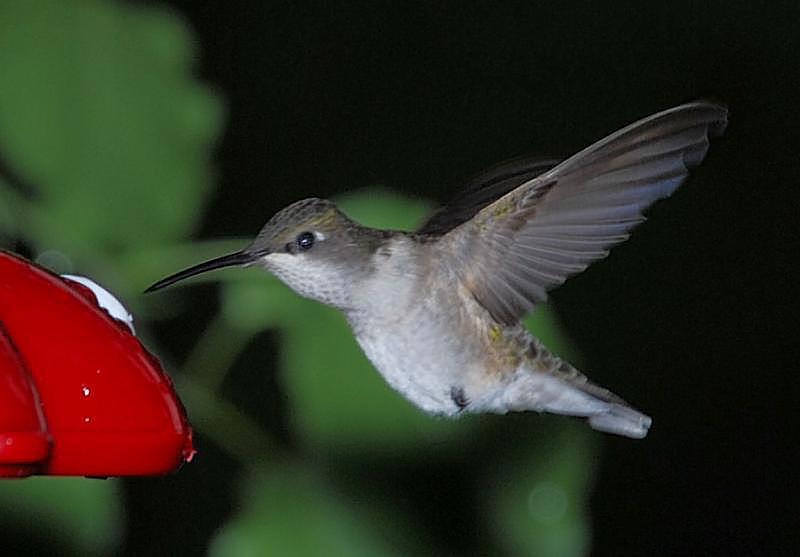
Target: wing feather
{"x": 554, "y": 225}
{"x": 484, "y": 189}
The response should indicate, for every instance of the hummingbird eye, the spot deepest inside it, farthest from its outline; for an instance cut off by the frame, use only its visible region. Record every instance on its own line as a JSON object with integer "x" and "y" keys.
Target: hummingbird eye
{"x": 305, "y": 241}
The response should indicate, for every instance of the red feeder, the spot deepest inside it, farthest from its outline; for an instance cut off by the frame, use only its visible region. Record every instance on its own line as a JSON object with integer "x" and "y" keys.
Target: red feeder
{"x": 79, "y": 394}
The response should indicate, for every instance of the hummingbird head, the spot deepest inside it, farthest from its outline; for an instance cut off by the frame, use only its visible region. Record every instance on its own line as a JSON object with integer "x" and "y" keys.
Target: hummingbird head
{"x": 310, "y": 245}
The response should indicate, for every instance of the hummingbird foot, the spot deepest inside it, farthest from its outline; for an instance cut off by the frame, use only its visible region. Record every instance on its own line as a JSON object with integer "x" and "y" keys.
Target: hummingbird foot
{"x": 459, "y": 398}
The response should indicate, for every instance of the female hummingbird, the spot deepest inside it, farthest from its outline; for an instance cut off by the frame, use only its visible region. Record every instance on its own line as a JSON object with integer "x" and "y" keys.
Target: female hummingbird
{"x": 437, "y": 311}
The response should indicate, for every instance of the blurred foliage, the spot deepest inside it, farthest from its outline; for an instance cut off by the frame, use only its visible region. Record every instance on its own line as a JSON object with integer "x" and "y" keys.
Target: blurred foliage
{"x": 86, "y": 513}
{"x": 110, "y": 138}
{"x": 542, "y": 510}
{"x": 289, "y": 510}
{"x": 99, "y": 114}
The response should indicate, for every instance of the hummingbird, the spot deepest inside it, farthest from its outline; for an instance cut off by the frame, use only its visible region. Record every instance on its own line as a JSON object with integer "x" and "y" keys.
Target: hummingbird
{"x": 437, "y": 311}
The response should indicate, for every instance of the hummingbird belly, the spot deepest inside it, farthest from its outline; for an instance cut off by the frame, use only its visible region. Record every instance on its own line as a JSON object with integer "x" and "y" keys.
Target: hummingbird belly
{"x": 430, "y": 354}
{"x": 422, "y": 362}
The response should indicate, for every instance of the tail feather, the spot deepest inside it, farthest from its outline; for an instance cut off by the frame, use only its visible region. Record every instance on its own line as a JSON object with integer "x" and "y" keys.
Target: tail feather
{"x": 621, "y": 420}
{"x": 569, "y": 396}
{"x": 614, "y": 415}
{"x": 548, "y": 383}
{"x": 605, "y": 410}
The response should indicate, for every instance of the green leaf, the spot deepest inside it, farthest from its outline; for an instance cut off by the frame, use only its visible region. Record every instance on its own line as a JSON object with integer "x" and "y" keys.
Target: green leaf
{"x": 381, "y": 208}
{"x": 84, "y": 513}
{"x": 100, "y": 114}
{"x": 290, "y": 510}
{"x": 537, "y": 501}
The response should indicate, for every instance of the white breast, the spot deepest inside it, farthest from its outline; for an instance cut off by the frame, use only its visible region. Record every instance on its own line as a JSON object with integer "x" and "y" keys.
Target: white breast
{"x": 410, "y": 337}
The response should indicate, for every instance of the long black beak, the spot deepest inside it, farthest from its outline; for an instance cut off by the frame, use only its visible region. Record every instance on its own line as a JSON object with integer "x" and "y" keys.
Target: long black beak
{"x": 239, "y": 258}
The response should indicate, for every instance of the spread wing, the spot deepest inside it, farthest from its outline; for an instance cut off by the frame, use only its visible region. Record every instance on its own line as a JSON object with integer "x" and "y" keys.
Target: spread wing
{"x": 487, "y": 187}
{"x": 554, "y": 225}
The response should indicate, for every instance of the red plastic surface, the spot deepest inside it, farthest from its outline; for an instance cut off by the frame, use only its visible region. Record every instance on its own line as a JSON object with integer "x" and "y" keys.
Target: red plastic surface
{"x": 24, "y": 442}
{"x": 110, "y": 409}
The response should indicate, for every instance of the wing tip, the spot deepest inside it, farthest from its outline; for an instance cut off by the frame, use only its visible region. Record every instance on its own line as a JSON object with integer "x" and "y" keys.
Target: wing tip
{"x": 715, "y": 113}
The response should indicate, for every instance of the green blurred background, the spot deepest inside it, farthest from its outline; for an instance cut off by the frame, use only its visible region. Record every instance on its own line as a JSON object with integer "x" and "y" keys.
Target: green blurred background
{"x": 138, "y": 138}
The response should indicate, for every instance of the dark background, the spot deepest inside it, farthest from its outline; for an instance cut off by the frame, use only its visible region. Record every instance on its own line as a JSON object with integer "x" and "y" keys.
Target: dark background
{"x": 691, "y": 318}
